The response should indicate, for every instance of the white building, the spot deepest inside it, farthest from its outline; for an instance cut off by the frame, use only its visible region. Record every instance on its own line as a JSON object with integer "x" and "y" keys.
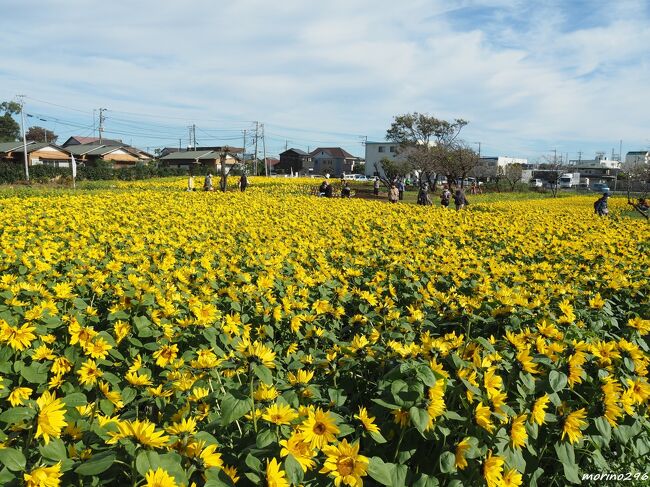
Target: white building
{"x": 599, "y": 162}
{"x": 502, "y": 161}
{"x": 636, "y": 158}
{"x": 376, "y": 151}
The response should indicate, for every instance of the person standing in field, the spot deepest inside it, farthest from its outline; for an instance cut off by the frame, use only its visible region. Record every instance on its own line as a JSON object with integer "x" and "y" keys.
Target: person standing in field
{"x": 243, "y": 183}
{"x": 600, "y": 206}
{"x": 393, "y": 194}
{"x": 207, "y": 183}
{"x": 400, "y": 188}
{"x": 423, "y": 195}
{"x": 376, "y": 186}
{"x": 445, "y": 197}
{"x": 459, "y": 199}
{"x": 190, "y": 183}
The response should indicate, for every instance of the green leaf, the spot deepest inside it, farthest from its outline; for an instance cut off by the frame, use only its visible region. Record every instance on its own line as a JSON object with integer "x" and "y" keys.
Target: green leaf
{"x": 12, "y": 459}
{"x": 263, "y": 373}
{"x": 253, "y": 463}
{"x": 17, "y": 415}
{"x": 6, "y": 476}
{"x": 380, "y": 471}
{"x": 233, "y": 408}
{"x": 216, "y": 477}
{"x": 55, "y": 450}
{"x": 143, "y": 326}
{"x": 447, "y": 462}
{"x": 426, "y": 481}
{"x": 264, "y": 438}
{"x": 397, "y": 388}
{"x": 558, "y": 380}
{"x": 36, "y": 373}
{"x": 385, "y": 404}
{"x": 377, "y": 436}
{"x": 98, "y": 463}
{"x": 426, "y": 375}
{"x": 128, "y": 395}
{"x": 75, "y": 399}
{"x": 604, "y": 428}
{"x": 566, "y": 455}
{"x": 486, "y": 344}
{"x": 419, "y": 418}
{"x": 294, "y": 471}
{"x": 398, "y": 474}
{"x": 337, "y": 396}
{"x": 145, "y": 461}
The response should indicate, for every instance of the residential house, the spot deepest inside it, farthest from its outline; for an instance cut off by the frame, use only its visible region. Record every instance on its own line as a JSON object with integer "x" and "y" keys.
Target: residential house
{"x": 333, "y": 161}
{"x": 168, "y": 150}
{"x": 597, "y": 170}
{"x": 376, "y": 151}
{"x": 120, "y": 156}
{"x": 77, "y": 140}
{"x": 189, "y": 158}
{"x": 294, "y": 160}
{"x": 37, "y": 153}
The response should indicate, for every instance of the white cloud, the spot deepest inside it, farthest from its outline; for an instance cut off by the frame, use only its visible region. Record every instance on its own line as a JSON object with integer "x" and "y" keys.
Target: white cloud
{"x": 525, "y": 77}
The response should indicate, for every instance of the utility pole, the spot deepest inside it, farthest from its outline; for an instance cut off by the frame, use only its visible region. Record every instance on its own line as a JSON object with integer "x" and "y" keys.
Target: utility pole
{"x": 192, "y": 135}
{"x": 257, "y": 127}
{"x": 22, "y": 127}
{"x": 264, "y": 146}
{"x": 180, "y": 142}
{"x": 286, "y": 144}
{"x": 579, "y": 156}
{"x": 189, "y": 140}
{"x": 479, "y": 149}
{"x": 243, "y": 153}
{"x": 101, "y": 123}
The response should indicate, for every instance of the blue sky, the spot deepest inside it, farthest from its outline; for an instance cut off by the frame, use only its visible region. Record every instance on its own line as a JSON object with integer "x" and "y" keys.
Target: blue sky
{"x": 530, "y": 76}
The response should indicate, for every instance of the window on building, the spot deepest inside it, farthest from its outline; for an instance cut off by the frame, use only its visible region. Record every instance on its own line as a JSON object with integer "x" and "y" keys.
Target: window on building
{"x": 391, "y": 148}
{"x": 381, "y": 148}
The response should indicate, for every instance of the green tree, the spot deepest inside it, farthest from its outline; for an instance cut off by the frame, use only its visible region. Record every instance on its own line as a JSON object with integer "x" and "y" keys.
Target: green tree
{"x": 40, "y": 134}
{"x": 9, "y": 128}
{"x": 427, "y": 141}
{"x": 394, "y": 169}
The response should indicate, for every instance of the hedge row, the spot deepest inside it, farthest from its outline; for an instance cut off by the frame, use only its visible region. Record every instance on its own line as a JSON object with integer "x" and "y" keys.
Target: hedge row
{"x": 14, "y": 173}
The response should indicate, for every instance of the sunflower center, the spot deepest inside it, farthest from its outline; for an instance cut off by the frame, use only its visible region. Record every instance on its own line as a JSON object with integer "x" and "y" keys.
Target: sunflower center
{"x": 345, "y": 466}
{"x": 319, "y": 428}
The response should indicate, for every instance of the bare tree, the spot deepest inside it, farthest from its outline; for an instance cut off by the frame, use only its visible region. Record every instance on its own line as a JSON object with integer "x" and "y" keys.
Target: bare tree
{"x": 640, "y": 173}
{"x": 513, "y": 174}
{"x": 459, "y": 162}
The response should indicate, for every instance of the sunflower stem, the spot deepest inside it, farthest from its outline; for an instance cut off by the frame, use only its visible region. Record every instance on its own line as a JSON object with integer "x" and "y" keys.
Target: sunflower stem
{"x": 252, "y": 390}
{"x": 399, "y": 443}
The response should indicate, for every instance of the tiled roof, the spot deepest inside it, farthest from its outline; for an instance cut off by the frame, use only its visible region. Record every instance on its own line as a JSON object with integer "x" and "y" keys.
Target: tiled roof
{"x": 334, "y": 152}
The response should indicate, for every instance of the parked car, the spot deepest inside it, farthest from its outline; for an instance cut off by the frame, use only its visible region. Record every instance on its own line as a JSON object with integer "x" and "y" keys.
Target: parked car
{"x": 600, "y": 188}
{"x": 536, "y": 183}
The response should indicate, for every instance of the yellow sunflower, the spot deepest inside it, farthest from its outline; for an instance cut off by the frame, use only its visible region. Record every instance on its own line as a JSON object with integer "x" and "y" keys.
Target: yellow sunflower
{"x": 44, "y": 476}
{"x": 275, "y": 475}
{"x": 51, "y": 417}
{"x": 319, "y": 428}
{"x": 344, "y": 463}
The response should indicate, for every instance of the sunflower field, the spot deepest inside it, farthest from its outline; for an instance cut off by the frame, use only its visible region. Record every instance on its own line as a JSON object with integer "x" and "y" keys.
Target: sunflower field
{"x": 153, "y": 336}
